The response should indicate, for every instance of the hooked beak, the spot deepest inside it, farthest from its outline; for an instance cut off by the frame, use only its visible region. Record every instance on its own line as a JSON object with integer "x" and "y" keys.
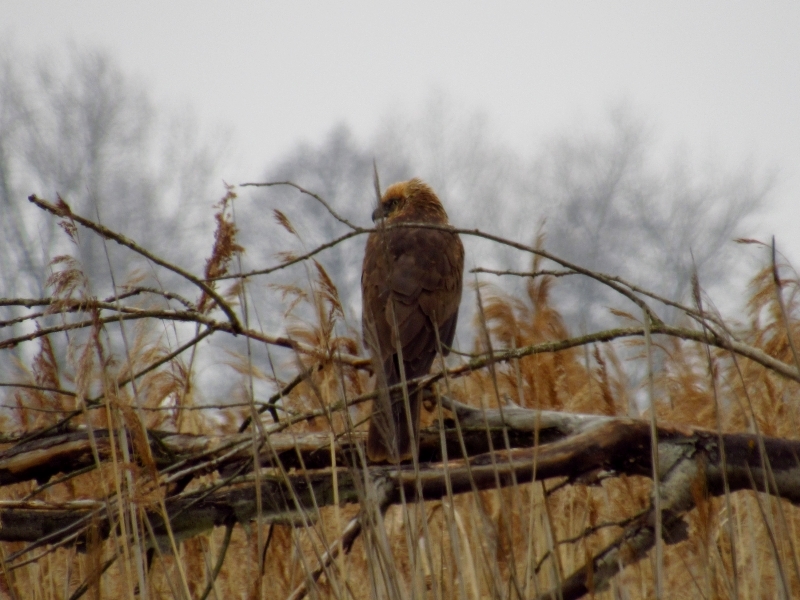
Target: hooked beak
{"x": 377, "y": 214}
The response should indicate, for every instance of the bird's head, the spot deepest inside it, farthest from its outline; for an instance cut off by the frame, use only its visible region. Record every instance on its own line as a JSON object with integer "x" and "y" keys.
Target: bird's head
{"x": 410, "y": 201}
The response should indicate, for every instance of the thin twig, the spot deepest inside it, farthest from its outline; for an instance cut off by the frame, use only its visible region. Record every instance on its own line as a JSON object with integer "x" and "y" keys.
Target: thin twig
{"x": 345, "y": 542}
{"x": 65, "y": 212}
{"x": 784, "y": 314}
{"x": 283, "y": 392}
{"x": 72, "y": 305}
{"x": 531, "y": 274}
{"x": 316, "y": 197}
{"x": 712, "y": 373}
{"x": 91, "y": 578}
{"x": 220, "y": 560}
{"x": 296, "y": 259}
{"x": 40, "y": 388}
{"x": 129, "y": 315}
{"x": 632, "y": 286}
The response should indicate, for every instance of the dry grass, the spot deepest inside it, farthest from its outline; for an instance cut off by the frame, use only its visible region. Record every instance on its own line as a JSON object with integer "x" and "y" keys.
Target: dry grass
{"x": 517, "y": 542}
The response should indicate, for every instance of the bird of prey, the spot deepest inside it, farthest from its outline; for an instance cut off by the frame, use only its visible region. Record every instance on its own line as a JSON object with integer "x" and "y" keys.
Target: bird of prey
{"x": 411, "y": 290}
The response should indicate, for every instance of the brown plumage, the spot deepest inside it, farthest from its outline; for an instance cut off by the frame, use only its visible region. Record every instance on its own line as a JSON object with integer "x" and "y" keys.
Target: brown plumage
{"x": 411, "y": 287}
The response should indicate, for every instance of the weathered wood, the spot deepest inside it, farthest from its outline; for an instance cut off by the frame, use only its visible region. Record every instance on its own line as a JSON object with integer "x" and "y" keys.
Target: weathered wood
{"x": 610, "y": 445}
{"x": 297, "y": 479}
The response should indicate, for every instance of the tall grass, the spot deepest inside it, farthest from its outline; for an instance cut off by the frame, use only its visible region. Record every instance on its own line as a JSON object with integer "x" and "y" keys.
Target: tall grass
{"x": 120, "y": 382}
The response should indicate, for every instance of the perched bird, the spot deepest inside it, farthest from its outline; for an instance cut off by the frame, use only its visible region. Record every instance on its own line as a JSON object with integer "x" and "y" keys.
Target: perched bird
{"x": 411, "y": 289}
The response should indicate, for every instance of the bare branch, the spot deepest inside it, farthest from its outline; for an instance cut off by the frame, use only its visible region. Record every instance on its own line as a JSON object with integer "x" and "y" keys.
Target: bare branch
{"x": 123, "y": 241}
{"x": 316, "y": 197}
{"x": 296, "y": 259}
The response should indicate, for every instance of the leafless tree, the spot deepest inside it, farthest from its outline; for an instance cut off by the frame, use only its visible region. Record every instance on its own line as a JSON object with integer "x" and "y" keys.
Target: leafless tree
{"x": 76, "y": 126}
{"x": 612, "y": 207}
{"x": 600, "y": 197}
{"x": 72, "y": 124}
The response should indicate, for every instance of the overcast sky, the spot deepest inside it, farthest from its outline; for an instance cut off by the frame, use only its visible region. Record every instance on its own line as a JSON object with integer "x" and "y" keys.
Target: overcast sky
{"x": 722, "y": 79}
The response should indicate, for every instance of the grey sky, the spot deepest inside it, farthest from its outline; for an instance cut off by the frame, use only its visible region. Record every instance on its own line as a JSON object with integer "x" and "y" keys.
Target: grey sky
{"x": 722, "y": 79}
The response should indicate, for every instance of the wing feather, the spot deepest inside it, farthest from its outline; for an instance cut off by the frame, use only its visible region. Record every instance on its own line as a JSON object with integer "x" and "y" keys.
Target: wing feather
{"x": 411, "y": 286}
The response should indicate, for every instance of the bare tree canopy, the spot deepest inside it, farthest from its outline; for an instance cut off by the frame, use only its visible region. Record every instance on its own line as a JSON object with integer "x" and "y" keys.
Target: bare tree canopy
{"x": 600, "y": 197}
{"x": 74, "y": 125}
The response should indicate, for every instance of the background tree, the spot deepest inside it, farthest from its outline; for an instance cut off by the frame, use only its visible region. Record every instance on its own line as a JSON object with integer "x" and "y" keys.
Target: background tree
{"x": 612, "y": 206}
{"x": 73, "y": 124}
{"x": 601, "y": 196}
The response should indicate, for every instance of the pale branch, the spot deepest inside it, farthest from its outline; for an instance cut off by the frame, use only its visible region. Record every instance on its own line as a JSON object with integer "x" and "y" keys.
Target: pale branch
{"x": 95, "y": 305}
{"x": 62, "y": 452}
{"x": 26, "y": 302}
{"x": 66, "y": 213}
{"x": 72, "y": 305}
{"x": 522, "y": 419}
{"x": 135, "y": 291}
{"x": 608, "y": 335}
{"x": 318, "y": 353}
{"x": 261, "y": 405}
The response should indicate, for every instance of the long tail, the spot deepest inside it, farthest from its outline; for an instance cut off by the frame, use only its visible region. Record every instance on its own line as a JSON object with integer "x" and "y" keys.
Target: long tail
{"x": 390, "y": 438}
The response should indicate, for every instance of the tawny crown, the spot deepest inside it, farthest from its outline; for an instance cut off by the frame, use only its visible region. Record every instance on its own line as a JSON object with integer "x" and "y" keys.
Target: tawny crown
{"x": 411, "y": 201}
